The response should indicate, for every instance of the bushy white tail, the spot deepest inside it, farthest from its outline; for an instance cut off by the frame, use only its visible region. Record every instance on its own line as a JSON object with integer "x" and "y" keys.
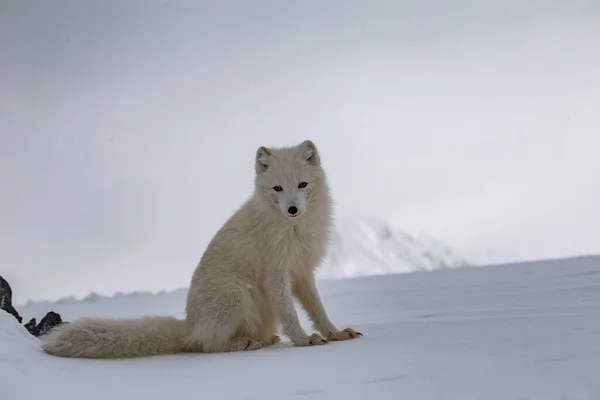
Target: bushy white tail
{"x": 117, "y": 338}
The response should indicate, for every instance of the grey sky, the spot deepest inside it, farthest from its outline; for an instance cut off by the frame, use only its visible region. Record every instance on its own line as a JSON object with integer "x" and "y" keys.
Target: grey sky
{"x": 128, "y": 128}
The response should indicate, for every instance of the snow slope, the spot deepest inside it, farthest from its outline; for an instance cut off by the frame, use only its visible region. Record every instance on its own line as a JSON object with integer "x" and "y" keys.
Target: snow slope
{"x": 526, "y": 331}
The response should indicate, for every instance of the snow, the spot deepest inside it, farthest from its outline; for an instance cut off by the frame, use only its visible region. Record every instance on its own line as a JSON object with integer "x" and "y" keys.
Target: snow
{"x": 508, "y": 332}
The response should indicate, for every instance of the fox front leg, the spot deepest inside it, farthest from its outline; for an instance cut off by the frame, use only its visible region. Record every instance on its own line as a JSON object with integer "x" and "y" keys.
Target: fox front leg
{"x": 305, "y": 290}
{"x": 286, "y": 311}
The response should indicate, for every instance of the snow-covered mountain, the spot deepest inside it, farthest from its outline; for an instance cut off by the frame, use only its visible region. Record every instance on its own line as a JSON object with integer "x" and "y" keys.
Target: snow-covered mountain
{"x": 360, "y": 247}
{"x": 370, "y": 246}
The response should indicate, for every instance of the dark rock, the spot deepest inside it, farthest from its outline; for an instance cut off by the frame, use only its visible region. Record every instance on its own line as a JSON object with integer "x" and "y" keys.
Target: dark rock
{"x": 6, "y": 300}
{"x": 49, "y": 321}
{"x": 30, "y": 326}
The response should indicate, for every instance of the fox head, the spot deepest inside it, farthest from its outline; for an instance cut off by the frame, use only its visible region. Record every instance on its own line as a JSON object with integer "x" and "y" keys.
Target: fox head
{"x": 289, "y": 179}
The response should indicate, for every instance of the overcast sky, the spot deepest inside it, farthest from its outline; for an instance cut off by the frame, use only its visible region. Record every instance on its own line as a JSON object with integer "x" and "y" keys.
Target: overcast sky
{"x": 128, "y": 128}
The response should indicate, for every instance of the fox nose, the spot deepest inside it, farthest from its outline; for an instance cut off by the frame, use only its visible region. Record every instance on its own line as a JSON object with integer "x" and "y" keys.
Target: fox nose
{"x": 292, "y": 210}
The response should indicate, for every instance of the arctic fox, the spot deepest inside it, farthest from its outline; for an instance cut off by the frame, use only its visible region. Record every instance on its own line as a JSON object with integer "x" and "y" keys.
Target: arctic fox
{"x": 263, "y": 257}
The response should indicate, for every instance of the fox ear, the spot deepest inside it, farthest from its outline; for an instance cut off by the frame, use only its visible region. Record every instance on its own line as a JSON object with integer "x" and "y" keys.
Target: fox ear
{"x": 262, "y": 159}
{"x": 309, "y": 153}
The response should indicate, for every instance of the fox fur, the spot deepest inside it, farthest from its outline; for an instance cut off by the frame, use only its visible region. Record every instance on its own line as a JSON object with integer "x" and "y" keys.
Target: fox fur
{"x": 244, "y": 286}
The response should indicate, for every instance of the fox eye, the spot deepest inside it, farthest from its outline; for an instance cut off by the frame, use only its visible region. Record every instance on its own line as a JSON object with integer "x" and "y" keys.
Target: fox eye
{"x": 302, "y": 185}
{"x": 278, "y": 188}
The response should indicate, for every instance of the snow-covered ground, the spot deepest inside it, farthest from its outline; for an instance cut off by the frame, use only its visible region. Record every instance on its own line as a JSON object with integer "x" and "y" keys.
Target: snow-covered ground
{"x": 526, "y": 331}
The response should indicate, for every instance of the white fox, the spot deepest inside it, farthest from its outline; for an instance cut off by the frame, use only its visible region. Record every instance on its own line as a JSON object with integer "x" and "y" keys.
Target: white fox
{"x": 243, "y": 288}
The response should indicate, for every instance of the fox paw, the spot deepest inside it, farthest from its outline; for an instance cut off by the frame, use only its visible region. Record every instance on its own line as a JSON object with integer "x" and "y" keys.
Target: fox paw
{"x": 316, "y": 340}
{"x": 245, "y": 344}
{"x": 344, "y": 334}
{"x": 274, "y": 340}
